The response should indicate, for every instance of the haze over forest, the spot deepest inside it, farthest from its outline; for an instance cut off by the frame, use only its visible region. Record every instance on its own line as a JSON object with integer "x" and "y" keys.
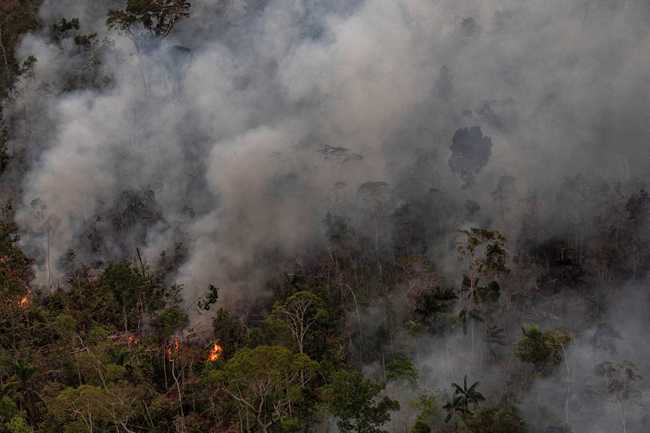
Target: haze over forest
{"x": 265, "y": 216}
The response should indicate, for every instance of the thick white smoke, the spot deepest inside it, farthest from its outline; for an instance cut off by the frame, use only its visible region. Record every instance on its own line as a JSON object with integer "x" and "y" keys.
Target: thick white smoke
{"x": 226, "y": 120}
{"x": 238, "y": 133}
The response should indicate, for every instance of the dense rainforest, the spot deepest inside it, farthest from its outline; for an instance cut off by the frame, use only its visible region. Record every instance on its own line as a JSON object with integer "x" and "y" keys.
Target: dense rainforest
{"x": 359, "y": 217}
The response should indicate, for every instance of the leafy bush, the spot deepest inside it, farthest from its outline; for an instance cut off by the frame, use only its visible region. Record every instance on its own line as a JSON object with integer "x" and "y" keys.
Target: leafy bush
{"x": 543, "y": 349}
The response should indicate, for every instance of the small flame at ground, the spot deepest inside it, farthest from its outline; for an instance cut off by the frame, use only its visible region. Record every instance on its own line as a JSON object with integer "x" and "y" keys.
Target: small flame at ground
{"x": 25, "y": 301}
{"x": 215, "y": 352}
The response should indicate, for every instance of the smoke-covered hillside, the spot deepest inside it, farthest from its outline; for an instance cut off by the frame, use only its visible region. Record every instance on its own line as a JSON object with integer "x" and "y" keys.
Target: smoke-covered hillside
{"x": 265, "y": 216}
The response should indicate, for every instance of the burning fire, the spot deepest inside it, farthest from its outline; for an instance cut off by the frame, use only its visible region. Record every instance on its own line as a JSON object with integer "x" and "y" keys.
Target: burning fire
{"x": 173, "y": 348}
{"x": 215, "y": 352}
{"x": 25, "y": 301}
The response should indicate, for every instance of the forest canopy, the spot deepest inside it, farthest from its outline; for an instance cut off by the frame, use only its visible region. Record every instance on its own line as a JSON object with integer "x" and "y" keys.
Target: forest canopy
{"x": 379, "y": 216}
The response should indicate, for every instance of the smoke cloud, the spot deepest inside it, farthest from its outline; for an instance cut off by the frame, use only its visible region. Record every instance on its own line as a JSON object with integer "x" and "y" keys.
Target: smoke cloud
{"x": 238, "y": 134}
{"x": 223, "y": 121}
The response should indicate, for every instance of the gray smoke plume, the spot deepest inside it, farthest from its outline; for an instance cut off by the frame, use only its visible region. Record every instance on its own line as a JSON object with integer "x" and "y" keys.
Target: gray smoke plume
{"x": 222, "y": 123}
{"x": 230, "y": 141}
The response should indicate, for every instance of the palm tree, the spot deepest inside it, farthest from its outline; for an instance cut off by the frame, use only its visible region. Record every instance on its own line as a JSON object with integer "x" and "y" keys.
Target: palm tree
{"x": 464, "y": 397}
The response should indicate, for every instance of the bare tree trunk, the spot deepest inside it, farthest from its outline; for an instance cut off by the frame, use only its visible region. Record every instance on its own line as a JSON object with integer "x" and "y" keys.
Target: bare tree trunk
{"x": 356, "y": 307}
{"x": 623, "y": 420}
{"x": 4, "y": 57}
{"x": 180, "y": 397}
{"x": 164, "y": 356}
{"x": 568, "y": 389}
{"x": 49, "y": 269}
{"x": 140, "y": 68}
{"x": 472, "y": 330}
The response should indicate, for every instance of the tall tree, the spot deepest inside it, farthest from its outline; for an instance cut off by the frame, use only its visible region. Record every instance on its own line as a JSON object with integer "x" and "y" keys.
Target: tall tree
{"x": 485, "y": 255}
{"x": 301, "y": 312}
{"x": 466, "y": 397}
{"x": 156, "y": 17}
{"x": 621, "y": 379}
{"x": 266, "y": 383}
{"x": 356, "y": 402}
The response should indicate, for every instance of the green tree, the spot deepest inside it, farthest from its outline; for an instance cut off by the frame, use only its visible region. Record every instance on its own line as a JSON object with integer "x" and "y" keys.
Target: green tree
{"x": 466, "y": 397}
{"x": 496, "y": 419}
{"x": 90, "y": 408}
{"x": 126, "y": 285}
{"x": 229, "y": 331}
{"x": 170, "y": 321}
{"x": 18, "y": 424}
{"x": 421, "y": 427}
{"x": 140, "y": 295}
{"x": 158, "y": 17}
{"x": 434, "y": 309}
{"x": 24, "y": 384}
{"x": 16, "y": 19}
{"x": 266, "y": 383}
{"x": 543, "y": 349}
{"x": 300, "y": 313}
{"x": 400, "y": 368}
{"x": 430, "y": 412}
{"x": 485, "y": 253}
{"x": 356, "y": 403}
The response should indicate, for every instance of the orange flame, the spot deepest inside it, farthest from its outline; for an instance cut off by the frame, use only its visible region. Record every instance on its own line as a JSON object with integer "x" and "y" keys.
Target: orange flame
{"x": 215, "y": 352}
{"x": 25, "y": 301}
{"x": 173, "y": 348}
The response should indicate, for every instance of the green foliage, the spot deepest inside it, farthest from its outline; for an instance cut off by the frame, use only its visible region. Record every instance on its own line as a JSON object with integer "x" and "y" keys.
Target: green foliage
{"x": 15, "y": 269}
{"x": 170, "y": 321}
{"x": 65, "y": 325}
{"x": 302, "y": 315}
{"x": 543, "y": 349}
{"x": 139, "y": 295}
{"x": 69, "y": 29}
{"x": 16, "y": 19}
{"x": 289, "y": 424}
{"x": 91, "y": 408}
{"x": 61, "y": 29}
{"x": 86, "y": 50}
{"x": 434, "y": 309}
{"x": 122, "y": 279}
{"x": 466, "y": 398}
{"x": 430, "y": 413}
{"x": 485, "y": 250}
{"x": 18, "y": 424}
{"x": 157, "y": 17}
{"x": 229, "y": 331}
{"x": 496, "y": 419}
{"x": 421, "y": 427}
{"x": 110, "y": 351}
{"x": 209, "y": 300}
{"x": 400, "y": 368}
{"x": 266, "y": 382}
{"x": 8, "y": 408}
{"x": 356, "y": 403}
